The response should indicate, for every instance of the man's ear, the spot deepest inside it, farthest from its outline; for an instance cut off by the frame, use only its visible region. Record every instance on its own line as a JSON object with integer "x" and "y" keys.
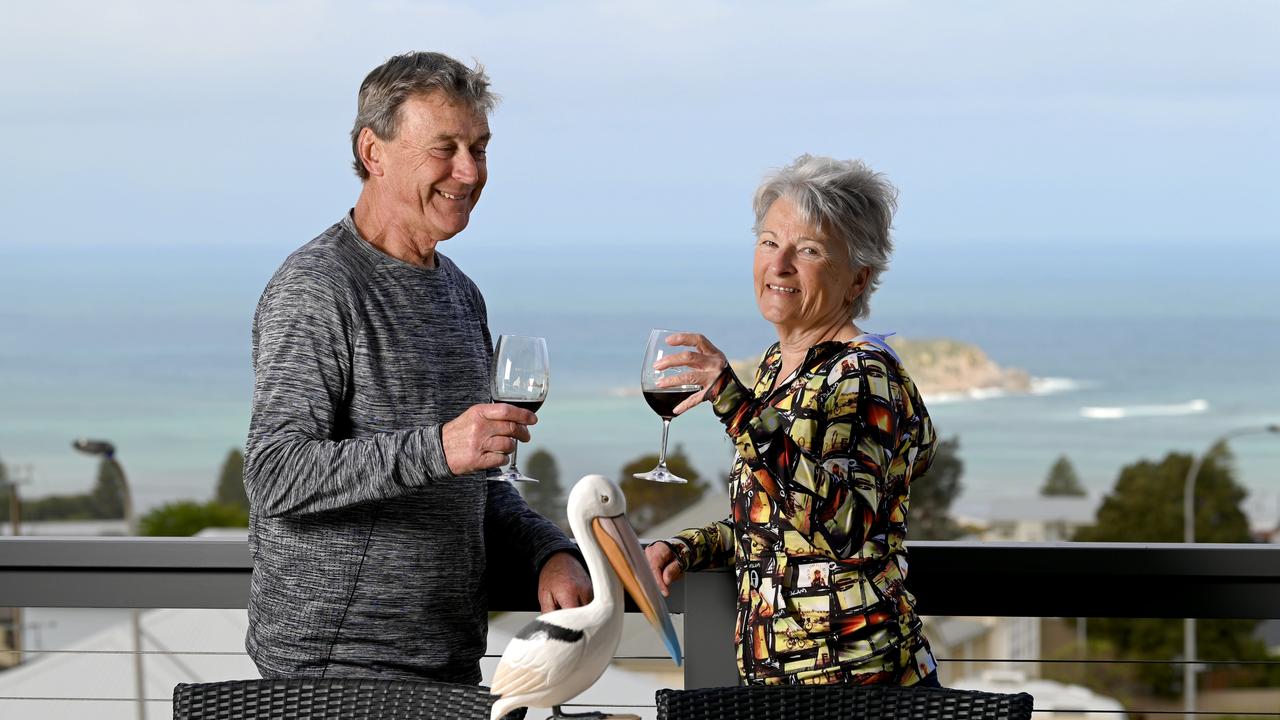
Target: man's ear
{"x": 371, "y": 151}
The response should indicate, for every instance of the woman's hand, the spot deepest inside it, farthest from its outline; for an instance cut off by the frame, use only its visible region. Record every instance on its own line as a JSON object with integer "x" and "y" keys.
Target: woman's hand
{"x": 666, "y": 569}
{"x": 705, "y": 363}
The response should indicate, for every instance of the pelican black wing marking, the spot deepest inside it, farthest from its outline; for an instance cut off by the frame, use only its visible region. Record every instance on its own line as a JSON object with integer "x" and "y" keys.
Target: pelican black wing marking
{"x": 555, "y": 632}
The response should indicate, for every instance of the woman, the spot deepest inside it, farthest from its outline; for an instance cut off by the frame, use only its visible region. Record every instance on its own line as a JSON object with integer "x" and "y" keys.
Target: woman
{"x": 829, "y": 437}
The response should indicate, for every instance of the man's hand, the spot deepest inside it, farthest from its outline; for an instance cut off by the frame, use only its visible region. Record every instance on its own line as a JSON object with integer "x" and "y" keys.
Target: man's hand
{"x": 662, "y": 562}
{"x": 563, "y": 583}
{"x": 483, "y": 436}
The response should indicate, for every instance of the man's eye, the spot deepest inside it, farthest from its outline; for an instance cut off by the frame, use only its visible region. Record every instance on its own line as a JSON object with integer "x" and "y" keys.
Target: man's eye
{"x": 480, "y": 152}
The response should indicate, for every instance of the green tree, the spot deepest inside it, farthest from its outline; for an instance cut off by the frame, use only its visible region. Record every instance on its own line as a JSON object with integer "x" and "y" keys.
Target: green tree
{"x": 1146, "y": 506}
{"x": 648, "y": 502}
{"x": 547, "y": 495}
{"x": 187, "y": 517}
{"x": 102, "y": 502}
{"x": 230, "y": 490}
{"x": 1063, "y": 480}
{"x": 105, "y": 499}
{"x": 57, "y": 507}
{"x": 929, "y": 515}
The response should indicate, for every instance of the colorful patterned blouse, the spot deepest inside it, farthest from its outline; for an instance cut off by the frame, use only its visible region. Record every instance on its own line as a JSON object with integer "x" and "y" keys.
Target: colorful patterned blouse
{"x": 819, "y": 513}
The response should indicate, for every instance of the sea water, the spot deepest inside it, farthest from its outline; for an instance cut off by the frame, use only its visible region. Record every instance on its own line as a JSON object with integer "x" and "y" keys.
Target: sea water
{"x": 150, "y": 349}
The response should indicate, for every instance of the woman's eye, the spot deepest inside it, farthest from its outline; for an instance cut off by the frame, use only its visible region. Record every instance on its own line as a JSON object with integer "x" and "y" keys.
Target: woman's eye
{"x": 768, "y": 243}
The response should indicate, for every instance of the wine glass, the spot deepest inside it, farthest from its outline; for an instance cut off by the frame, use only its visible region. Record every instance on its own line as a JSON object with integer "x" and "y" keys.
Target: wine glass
{"x": 521, "y": 376}
{"x": 663, "y": 400}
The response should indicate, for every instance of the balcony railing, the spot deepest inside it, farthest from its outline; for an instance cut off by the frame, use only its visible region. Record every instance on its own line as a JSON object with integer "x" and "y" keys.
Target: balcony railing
{"x": 951, "y": 578}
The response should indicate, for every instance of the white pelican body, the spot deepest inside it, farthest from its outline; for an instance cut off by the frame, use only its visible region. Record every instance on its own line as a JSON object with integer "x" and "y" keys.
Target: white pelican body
{"x": 562, "y": 653}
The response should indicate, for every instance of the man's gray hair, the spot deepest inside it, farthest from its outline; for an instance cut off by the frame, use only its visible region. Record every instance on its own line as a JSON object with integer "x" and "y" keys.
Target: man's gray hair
{"x": 848, "y": 200}
{"x": 404, "y": 76}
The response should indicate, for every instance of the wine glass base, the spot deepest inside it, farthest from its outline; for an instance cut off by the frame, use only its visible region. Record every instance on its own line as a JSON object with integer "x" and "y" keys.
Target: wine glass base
{"x": 509, "y": 476}
{"x": 660, "y": 475}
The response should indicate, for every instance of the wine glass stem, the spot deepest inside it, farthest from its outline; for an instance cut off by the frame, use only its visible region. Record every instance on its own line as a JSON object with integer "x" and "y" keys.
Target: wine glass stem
{"x": 514, "y": 470}
{"x": 662, "y": 452}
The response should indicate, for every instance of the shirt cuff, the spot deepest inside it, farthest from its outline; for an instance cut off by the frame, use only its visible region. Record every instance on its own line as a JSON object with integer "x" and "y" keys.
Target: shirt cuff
{"x": 434, "y": 461}
{"x": 728, "y": 396}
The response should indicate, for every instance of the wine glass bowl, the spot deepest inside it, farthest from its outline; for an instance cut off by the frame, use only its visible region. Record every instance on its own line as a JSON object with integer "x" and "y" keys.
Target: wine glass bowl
{"x": 663, "y": 400}
{"x": 521, "y": 377}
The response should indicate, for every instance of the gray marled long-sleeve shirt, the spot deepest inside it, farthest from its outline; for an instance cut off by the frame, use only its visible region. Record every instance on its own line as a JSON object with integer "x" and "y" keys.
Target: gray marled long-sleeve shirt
{"x": 368, "y": 554}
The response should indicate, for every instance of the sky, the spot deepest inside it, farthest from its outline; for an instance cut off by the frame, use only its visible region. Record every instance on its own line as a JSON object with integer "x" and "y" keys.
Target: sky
{"x": 1081, "y": 158}
{"x": 157, "y": 123}
{"x": 1113, "y": 144}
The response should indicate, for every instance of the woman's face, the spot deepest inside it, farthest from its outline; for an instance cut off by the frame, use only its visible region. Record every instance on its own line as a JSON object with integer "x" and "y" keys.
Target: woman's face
{"x": 803, "y": 278}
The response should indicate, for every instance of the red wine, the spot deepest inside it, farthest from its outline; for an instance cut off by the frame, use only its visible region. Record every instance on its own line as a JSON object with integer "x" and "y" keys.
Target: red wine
{"x": 664, "y": 401}
{"x": 530, "y": 405}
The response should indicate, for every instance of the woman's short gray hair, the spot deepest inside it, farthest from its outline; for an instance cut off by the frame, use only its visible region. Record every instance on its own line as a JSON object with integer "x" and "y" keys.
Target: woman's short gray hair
{"x": 845, "y": 198}
{"x": 404, "y": 76}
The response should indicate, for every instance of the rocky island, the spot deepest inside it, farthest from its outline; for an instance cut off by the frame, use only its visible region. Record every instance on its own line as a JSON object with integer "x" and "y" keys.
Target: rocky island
{"x": 943, "y": 369}
{"x": 950, "y": 368}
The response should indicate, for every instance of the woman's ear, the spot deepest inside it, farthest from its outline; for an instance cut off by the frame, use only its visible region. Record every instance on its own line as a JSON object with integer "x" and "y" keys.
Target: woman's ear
{"x": 858, "y": 285}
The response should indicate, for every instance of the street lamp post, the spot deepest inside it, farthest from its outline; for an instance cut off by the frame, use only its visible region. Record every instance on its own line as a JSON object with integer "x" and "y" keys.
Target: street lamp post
{"x": 107, "y": 452}
{"x": 1189, "y": 536}
{"x": 15, "y": 523}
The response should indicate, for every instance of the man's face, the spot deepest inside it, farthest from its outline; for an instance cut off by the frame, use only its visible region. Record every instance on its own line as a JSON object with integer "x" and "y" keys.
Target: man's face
{"x": 435, "y": 167}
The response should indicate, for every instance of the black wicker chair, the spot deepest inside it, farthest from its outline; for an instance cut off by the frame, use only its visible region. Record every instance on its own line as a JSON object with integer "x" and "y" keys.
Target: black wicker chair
{"x": 331, "y": 699}
{"x": 840, "y": 702}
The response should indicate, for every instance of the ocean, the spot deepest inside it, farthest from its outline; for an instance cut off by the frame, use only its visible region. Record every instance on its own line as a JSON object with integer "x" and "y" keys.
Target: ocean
{"x": 149, "y": 347}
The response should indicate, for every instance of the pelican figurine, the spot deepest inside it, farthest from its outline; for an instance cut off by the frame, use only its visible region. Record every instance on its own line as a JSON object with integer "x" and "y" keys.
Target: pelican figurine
{"x": 562, "y": 653}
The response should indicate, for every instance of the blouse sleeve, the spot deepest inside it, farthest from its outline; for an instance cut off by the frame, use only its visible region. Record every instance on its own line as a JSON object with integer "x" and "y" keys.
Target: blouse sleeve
{"x": 711, "y": 546}
{"x": 704, "y": 548}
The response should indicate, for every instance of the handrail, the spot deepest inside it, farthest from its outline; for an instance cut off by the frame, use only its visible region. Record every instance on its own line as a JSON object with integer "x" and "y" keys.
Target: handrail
{"x": 948, "y": 578}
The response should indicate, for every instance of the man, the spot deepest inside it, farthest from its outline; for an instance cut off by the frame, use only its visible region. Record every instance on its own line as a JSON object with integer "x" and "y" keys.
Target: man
{"x": 372, "y": 427}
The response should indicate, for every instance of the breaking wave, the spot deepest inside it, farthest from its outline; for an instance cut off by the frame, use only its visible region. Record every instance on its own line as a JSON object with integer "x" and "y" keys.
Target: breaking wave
{"x": 1038, "y": 386}
{"x": 1192, "y": 407}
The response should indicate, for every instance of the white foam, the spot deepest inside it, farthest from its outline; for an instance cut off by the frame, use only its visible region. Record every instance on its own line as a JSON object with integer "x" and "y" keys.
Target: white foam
{"x": 1191, "y": 407}
{"x": 1054, "y": 385}
{"x": 1039, "y": 386}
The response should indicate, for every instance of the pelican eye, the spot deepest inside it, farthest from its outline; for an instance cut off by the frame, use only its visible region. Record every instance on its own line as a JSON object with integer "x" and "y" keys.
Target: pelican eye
{"x": 604, "y": 499}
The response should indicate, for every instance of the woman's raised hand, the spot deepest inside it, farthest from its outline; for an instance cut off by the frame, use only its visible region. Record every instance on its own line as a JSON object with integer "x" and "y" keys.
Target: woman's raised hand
{"x": 705, "y": 363}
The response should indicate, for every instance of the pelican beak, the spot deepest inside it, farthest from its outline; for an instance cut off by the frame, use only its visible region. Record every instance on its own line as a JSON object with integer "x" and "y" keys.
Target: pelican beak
{"x": 622, "y": 548}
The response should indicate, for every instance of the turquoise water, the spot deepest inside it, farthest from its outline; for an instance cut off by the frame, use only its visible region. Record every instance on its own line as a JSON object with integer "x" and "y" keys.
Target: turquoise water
{"x": 150, "y": 348}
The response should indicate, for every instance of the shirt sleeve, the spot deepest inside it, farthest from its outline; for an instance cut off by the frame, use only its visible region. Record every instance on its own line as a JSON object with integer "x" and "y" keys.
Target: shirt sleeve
{"x": 520, "y": 529}
{"x": 297, "y": 461}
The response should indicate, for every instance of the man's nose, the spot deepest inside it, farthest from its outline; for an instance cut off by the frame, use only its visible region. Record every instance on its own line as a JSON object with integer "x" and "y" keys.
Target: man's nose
{"x": 465, "y": 168}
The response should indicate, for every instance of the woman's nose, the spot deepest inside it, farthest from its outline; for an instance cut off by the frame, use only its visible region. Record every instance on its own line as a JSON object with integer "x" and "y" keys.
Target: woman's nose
{"x": 783, "y": 262}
